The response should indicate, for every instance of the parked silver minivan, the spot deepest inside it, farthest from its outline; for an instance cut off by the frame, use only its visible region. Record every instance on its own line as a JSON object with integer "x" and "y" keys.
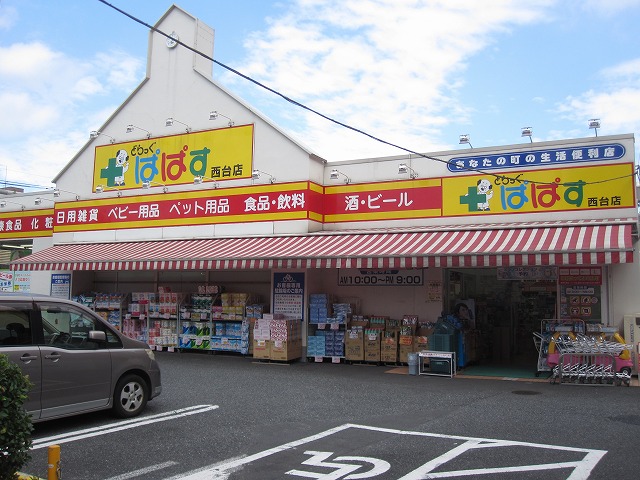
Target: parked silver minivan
{"x": 76, "y": 361}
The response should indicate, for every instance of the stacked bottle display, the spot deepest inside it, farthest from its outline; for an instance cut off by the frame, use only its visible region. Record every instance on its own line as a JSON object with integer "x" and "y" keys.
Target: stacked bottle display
{"x": 196, "y": 323}
{"x": 205, "y": 325}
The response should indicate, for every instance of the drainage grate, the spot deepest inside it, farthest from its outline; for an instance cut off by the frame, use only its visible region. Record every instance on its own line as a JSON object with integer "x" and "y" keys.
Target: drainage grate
{"x": 626, "y": 419}
{"x": 526, "y": 392}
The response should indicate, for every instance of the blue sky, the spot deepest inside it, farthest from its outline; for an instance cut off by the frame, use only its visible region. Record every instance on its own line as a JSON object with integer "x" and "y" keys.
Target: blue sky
{"x": 414, "y": 73}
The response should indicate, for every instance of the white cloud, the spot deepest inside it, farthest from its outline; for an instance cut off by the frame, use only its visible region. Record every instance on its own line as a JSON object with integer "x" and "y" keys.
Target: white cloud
{"x": 47, "y": 100}
{"x": 8, "y": 17}
{"x": 122, "y": 71}
{"x": 22, "y": 112}
{"x": 598, "y": 7}
{"x": 624, "y": 73}
{"x": 617, "y": 105}
{"x": 23, "y": 61}
{"x": 392, "y": 68}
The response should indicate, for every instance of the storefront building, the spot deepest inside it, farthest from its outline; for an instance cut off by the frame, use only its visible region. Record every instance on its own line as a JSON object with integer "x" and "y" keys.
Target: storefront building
{"x": 187, "y": 189}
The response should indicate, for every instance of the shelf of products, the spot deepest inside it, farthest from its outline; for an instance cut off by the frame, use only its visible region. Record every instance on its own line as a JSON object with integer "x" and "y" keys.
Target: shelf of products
{"x": 217, "y": 322}
{"x": 153, "y": 317}
{"x": 327, "y": 327}
{"x": 110, "y": 306}
{"x": 195, "y": 322}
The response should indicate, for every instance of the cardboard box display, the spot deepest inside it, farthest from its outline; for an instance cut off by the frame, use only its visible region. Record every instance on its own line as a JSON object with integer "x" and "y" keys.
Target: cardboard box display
{"x": 358, "y": 321}
{"x": 285, "y": 350}
{"x": 378, "y": 322}
{"x": 262, "y": 329}
{"x": 372, "y": 345}
{"x": 354, "y": 345}
{"x": 420, "y": 342}
{"x": 389, "y": 346}
{"x": 261, "y": 349}
{"x": 390, "y": 323}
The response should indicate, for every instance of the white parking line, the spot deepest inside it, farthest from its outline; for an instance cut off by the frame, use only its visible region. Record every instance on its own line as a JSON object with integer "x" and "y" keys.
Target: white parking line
{"x": 143, "y": 471}
{"x": 119, "y": 426}
{"x": 580, "y": 468}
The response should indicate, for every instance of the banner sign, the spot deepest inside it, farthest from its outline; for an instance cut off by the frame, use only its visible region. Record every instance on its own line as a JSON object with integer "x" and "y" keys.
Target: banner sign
{"x": 61, "y": 285}
{"x": 382, "y": 278}
{"x": 21, "y": 281}
{"x": 293, "y": 201}
{"x": 527, "y": 273}
{"x": 288, "y": 294}
{"x": 580, "y": 292}
{"x": 388, "y": 200}
{"x": 6, "y": 280}
{"x": 26, "y": 224}
{"x": 577, "y": 188}
{"x": 580, "y": 188}
{"x": 552, "y": 157}
{"x": 580, "y": 275}
{"x": 221, "y": 154}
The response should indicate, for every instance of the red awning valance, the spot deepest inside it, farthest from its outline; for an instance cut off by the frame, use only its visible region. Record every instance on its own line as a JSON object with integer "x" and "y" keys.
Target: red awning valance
{"x": 542, "y": 243}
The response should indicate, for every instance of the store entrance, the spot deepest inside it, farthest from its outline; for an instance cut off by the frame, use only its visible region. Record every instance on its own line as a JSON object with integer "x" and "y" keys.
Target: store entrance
{"x": 505, "y": 315}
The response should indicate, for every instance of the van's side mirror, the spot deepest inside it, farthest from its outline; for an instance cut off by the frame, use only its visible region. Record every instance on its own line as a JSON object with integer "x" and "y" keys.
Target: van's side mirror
{"x": 97, "y": 336}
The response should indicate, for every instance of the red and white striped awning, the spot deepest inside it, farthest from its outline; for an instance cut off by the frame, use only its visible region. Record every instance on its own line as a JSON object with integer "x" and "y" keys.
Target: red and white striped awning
{"x": 543, "y": 243}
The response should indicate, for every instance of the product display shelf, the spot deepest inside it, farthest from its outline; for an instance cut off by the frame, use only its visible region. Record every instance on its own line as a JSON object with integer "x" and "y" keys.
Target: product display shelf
{"x": 229, "y": 325}
{"x": 110, "y": 306}
{"x": 163, "y": 321}
{"x": 135, "y": 321}
{"x": 215, "y": 322}
{"x": 327, "y": 328}
{"x": 162, "y": 331}
{"x": 195, "y": 322}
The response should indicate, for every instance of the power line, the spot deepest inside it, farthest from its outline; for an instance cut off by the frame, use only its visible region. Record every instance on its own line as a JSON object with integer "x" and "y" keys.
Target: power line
{"x": 333, "y": 120}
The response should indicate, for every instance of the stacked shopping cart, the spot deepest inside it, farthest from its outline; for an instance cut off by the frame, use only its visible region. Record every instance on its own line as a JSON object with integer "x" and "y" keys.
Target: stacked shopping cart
{"x": 589, "y": 359}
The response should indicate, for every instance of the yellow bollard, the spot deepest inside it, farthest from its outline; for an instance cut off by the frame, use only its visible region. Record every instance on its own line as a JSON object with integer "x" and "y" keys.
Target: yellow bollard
{"x": 53, "y": 468}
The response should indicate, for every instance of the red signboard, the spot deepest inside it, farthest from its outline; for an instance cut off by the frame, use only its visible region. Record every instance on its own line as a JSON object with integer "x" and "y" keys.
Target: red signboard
{"x": 388, "y": 200}
{"x": 231, "y": 205}
{"x": 26, "y": 224}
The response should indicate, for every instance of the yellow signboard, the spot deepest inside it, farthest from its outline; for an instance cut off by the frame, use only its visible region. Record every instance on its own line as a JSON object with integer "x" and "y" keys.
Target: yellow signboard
{"x": 577, "y": 188}
{"x": 221, "y": 154}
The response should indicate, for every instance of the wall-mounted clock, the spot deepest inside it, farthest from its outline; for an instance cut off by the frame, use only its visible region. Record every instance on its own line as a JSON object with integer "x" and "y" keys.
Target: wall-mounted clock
{"x": 172, "y": 40}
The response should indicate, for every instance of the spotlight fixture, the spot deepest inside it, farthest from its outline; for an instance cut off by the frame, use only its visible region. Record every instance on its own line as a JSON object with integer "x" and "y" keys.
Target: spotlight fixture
{"x": 255, "y": 175}
{"x": 595, "y": 124}
{"x": 215, "y": 114}
{"x": 527, "y": 132}
{"x": 466, "y": 138}
{"x": 131, "y": 128}
{"x": 3, "y": 204}
{"x": 148, "y": 184}
{"x": 404, "y": 168}
{"x": 200, "y": 179}
{"x": 96, "y": 134}
{"x": 169, "y": 122}
{"x": 38, "y": 200}
{"x": 335, "y": 175}
{"x": 102, "y": 188}
{"x": 57, "y": 193}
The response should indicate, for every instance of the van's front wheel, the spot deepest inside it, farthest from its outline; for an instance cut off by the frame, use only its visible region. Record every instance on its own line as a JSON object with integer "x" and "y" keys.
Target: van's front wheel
{"x": 130, "y": 396}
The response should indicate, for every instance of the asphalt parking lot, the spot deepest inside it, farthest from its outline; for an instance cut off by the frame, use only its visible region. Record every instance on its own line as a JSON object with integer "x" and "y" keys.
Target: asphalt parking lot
{"x": 234, "y": 418}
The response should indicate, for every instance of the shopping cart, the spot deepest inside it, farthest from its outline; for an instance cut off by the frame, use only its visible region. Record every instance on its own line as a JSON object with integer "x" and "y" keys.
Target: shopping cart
{"x": 588, "y": 359}
{"x": 541, "y": 342}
